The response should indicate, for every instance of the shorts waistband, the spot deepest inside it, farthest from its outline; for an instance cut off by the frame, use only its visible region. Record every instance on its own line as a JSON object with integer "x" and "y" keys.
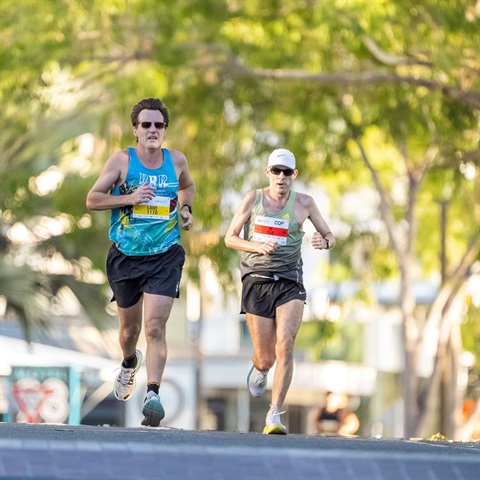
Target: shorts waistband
{"x": 264, "y": 276}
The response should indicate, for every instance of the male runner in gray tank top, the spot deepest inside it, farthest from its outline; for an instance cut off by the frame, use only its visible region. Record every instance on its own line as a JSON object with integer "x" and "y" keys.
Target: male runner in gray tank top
{"x": 273, "y": 295}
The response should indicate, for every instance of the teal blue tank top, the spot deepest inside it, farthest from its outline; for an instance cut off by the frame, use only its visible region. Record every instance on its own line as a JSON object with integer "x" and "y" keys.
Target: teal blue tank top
{"x": 151, "y": 228}
{"x": 286, "y": 261}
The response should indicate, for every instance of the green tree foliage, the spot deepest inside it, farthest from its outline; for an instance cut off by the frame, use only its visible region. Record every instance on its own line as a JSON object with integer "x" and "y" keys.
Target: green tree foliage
{"x": 381, "y": 95}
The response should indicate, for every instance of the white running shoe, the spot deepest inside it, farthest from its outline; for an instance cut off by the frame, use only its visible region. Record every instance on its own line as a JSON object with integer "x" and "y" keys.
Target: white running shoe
{"x": 257, "y": 381}
{"x": 153, "y": 410}
{"x": 124, "y": 384}
{"x": 273, "y": 424}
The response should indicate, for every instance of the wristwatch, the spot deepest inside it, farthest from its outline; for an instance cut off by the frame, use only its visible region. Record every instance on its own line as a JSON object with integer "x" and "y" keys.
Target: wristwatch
{"x": 328, "y": 243}
{"x": 188, "y": 206}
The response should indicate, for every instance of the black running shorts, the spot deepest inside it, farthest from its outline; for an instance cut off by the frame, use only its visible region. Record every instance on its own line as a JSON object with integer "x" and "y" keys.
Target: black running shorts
{"x": 263, "y": 297}
{"x": 132, "y": 276}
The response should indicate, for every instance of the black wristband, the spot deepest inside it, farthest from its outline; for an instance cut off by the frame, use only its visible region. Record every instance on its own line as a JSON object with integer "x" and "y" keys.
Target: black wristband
{"x": 327, "y": 241}
{"x": 188, "y": 206}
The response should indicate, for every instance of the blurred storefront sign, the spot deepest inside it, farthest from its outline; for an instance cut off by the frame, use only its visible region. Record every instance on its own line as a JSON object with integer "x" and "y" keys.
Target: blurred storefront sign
{"x": 45, "y": 395}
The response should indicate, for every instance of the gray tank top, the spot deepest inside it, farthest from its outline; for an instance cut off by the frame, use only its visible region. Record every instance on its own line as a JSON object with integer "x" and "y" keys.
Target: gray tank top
{"x": 286, "y": 261}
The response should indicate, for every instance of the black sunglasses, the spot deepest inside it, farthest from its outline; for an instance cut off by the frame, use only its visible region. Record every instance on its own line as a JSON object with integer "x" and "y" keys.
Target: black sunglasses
{"x": 288, "y": 172}
{"x": 158, "y": 125}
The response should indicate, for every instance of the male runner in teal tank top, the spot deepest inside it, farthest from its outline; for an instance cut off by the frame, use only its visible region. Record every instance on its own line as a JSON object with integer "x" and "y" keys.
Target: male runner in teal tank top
{"x": 273, "y": 294}
{"x": 150, "y": 192}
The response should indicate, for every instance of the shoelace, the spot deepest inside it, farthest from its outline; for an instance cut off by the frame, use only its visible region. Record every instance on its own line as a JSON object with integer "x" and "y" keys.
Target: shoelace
{"x": 261, "y": 379}
{"x": 127, "y": 375}
{"x": 275, "y": 416}
{"x": 158, "y": 397}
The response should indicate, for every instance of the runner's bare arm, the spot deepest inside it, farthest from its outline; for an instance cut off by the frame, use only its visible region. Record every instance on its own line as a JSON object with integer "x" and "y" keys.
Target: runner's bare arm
{"x": 186, "y": 188}
{"x": 113, "y": 172}
{"x": 323, "y": 231}
{"x": 232, "y": 237}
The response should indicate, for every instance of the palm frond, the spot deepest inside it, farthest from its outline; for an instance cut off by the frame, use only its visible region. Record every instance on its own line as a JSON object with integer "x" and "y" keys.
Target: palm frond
{"x": 29, "y": 294}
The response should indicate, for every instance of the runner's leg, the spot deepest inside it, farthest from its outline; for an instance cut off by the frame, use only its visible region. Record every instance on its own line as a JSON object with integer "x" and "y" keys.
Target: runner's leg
{"x": 130, "y": 327}
{"x": 262, "y": 333}
{"x": 288, "y": 321}
{"x": 157, "y": 311}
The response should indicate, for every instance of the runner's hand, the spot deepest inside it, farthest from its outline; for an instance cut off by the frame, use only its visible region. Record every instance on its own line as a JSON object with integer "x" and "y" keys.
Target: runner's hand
{"x": 318, "y": 242}
{"x": 187, "y": 218}
{"x": 266, "y": 248}
{"x": 144, "y": 193}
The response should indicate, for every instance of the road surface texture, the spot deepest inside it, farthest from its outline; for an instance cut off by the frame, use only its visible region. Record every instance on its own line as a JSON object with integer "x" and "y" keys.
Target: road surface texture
{"x": 50, "y": 452}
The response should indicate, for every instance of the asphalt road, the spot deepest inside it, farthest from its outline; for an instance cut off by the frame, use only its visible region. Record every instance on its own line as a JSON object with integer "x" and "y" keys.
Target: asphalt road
{"x": 50, "y": 452}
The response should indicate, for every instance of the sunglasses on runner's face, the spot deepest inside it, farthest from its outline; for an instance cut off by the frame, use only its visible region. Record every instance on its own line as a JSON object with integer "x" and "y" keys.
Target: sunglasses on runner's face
{"x": 158, "y": 125}
{"x": 288, "y": 172}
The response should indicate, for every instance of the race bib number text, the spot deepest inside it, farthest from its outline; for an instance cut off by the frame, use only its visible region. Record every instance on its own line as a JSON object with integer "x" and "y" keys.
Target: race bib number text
{"x": 157, "y": 207}
{"x": 268, "y": 229}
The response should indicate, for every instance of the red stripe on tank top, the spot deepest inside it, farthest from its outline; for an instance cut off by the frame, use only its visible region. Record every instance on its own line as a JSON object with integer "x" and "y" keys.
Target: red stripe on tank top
{"x": 277, "y": 232}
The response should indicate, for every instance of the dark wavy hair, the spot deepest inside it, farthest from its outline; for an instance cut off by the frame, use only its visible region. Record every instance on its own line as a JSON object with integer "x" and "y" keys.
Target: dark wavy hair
{"x": 149, "y": 104}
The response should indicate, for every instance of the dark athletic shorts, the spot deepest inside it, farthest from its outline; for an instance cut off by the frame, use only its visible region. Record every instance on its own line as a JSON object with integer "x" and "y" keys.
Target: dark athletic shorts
{"x": 132, "y": 276}
{"x": 261, "y": 296}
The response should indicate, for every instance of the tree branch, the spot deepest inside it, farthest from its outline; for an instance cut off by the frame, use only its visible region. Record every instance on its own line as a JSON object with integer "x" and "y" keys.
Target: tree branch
{"x": 416, "y": 174}
{"x": 389, "y": 59}
{"x": 471, "y": 156}
{"x": 374, "y": 77}
{"x": 222, "y": 56}
{"x": 385, "y": 208}
{"x": 451, "y": 284}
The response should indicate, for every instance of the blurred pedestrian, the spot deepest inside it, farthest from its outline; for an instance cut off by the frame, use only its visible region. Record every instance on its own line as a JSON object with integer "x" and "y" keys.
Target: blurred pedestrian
{"x": 273, "y": 294}
{"x": 334, "y": 418}
{"x": 149, "y": 191}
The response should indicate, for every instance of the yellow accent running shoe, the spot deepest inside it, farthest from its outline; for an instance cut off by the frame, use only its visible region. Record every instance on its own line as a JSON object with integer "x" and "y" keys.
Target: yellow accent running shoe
{"x": 273, "y": 424}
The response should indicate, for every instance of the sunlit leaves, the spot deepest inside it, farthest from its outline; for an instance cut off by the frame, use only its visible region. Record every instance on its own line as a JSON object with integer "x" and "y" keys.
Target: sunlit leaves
{"x": 75, "y": 68}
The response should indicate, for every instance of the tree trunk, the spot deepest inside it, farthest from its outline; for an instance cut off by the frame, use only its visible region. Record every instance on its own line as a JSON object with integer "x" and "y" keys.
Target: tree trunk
{"x": 446, "y": 410}
{"x": 410, "y": 335}
{"x": 410, "y": 383}
{"x": 457, "y": 394}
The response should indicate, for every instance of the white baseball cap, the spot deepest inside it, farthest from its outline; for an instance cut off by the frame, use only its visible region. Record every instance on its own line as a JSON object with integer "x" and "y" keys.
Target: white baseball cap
{"x": 281, "y": 157}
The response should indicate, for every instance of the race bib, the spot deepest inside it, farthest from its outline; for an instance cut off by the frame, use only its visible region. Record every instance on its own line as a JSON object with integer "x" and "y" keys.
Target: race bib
{"x": 157, "y": 207}
{"x": 268, "y": 229}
